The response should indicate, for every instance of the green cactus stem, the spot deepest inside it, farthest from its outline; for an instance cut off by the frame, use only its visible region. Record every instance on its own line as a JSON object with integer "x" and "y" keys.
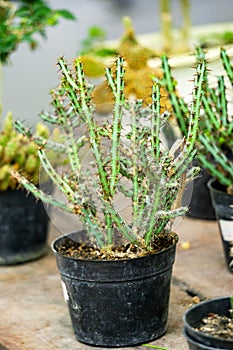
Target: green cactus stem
{"x": 215, "y": 136}
{"x": 128, "y": 159}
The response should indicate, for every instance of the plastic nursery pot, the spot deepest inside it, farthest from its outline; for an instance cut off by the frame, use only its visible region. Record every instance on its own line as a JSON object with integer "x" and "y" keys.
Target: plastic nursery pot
{"x": 116, "y": 303}
{"x": 23, "y": 227}
{"x": 200, "y": 206}
{"x": 193, "y": 317}
{"x": 223, "y": 206}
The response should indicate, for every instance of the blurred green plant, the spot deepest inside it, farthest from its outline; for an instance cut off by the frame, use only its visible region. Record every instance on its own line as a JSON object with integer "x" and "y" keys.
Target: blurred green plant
{"x": 17, "y": 152}
{"x": 94, "y": 43}
{"x": 21, "y": 22}
{"x": 155, "y": 347}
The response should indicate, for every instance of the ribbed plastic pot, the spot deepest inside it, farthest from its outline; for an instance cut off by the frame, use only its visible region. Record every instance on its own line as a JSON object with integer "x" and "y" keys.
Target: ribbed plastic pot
{"x": 116, "y": 303}
{"x": 23, "y": 227}
{"x": 193, "y": 317}
{"x": 223, "y": 206}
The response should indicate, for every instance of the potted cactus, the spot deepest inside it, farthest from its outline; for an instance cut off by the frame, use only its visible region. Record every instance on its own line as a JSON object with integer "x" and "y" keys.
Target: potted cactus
{"x": 216, "y": 154}
{"x": 215, "y": 147}
{"x": 116, "y": 271}
{"x": 23, "y": 221}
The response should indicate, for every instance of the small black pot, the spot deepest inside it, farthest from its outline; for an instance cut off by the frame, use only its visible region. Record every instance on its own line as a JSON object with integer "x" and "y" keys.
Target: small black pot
{"x": 23, "y": 227}
{"x": 193, "y": 317}
{"x": 223, "y": 206}
{"x": 116, "y": 303}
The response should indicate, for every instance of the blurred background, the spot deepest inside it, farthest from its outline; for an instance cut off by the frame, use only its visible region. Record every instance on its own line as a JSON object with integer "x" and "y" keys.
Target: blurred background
{"x": 29, "y": 76}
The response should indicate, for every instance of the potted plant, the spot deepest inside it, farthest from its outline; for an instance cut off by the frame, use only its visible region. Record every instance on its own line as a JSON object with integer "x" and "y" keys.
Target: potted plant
{"x": 215, "y": 147}
{"x": 116, "y": 272}
{"x": 23, "y": 221}
{"x": 216, "y": 154}
{"x": 209, "y": 324}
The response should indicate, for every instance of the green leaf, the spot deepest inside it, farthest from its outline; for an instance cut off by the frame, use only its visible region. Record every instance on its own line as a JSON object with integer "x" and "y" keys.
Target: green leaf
{"x": 66, "y": 14}
{"x": 155, "y": 347}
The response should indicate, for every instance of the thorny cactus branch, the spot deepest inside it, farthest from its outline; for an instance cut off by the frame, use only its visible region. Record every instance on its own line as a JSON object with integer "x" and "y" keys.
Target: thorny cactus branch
{"x": 188, "y": 118}
{"x": 180, "y": 108}
{"x": 128, "y": 158}
{"x": 40, "y": 141}
{"x": 216, "y": 126}
{"x": 40, "y": 194}
{"x": 227, "y": 64}
{"x": 93, "y": 129}
{"x": 117, "y": 86}
{"x": 216, "y": 144}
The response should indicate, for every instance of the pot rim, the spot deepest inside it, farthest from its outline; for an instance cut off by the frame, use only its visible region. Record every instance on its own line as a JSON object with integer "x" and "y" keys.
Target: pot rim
{"x": 212, "y": 188}
{"x": 52, "y": 245}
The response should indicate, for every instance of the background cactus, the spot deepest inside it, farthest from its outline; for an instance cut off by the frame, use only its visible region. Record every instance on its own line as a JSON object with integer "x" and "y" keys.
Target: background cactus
{"x": 138, "y": 75}
{"x": 19, "y": 153}
{"x": 128, "y": 158}
{"x": 215, "y": 137}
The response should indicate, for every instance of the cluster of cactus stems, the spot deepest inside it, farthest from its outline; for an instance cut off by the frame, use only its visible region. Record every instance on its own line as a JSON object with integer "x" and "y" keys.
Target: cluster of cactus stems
{"x": 17, "y": 152}
{"x": 216, "y": 125}
{"x": 129, "y": 158}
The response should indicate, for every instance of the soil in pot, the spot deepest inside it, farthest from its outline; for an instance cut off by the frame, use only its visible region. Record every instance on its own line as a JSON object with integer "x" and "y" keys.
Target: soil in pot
{"x": 116, "y": 302}
{"x": 215, "y": 325}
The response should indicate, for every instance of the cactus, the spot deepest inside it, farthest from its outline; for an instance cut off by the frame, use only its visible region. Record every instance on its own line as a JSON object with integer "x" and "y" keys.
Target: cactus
{"x": 128, "y": 159}
{"x": 19, "y": 153}
{"x": 167, "y": 27}
{"x": 138, "y": 76}
{"x": 131, "y": 50}
{"x": 216, "y": 126}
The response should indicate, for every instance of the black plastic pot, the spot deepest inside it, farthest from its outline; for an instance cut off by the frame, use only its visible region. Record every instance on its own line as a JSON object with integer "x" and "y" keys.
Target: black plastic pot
{"x": 23, "y": 227}
{"x": 223, "y": 206}
{"x": 116, "y": 303}
{"x": 193, "y": 317}
{"x": 200, "y": 206}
